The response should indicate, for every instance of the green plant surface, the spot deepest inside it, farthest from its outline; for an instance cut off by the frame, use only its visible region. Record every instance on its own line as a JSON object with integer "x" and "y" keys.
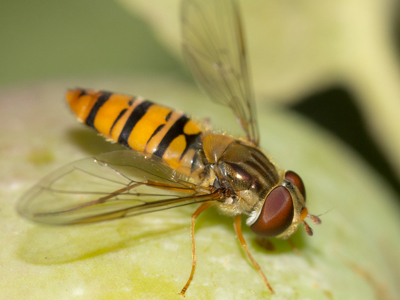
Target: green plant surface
{"x": 352, "y": 255}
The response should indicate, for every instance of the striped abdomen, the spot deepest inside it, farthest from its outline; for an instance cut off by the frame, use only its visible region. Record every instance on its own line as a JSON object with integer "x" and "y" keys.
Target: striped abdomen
{"x": 139, "y": 124}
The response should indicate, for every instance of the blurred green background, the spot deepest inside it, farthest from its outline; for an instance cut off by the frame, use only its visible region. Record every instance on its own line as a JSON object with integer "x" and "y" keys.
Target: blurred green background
{"x": 47, "y": 39}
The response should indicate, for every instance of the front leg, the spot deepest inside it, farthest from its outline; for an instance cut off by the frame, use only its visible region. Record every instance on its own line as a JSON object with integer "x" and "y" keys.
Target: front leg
{"x": 238, "y": 228}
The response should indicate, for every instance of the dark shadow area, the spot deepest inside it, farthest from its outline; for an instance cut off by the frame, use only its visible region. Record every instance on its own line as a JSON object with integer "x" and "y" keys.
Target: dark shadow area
{"x": 91, "y": 142}
{"x": 335, "y": 110}
{"x": 276, "y": 246}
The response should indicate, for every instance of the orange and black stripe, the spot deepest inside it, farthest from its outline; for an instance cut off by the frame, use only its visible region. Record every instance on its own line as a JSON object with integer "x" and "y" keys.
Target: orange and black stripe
{"x": 139, "y": 124}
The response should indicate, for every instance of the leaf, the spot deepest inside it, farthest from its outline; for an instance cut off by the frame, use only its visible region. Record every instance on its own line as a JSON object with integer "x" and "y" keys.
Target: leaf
{"x": 354, "y": 253}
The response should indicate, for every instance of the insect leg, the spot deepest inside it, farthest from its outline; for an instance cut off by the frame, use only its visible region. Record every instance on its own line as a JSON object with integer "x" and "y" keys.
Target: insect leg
{"x": 238, "y": 228}
{"x": 197, "y": 212}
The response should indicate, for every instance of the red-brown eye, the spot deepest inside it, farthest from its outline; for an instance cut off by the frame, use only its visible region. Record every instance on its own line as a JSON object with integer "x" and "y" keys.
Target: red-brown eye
{"x": 296, "y": 180}
{"x": 276, "y": 214}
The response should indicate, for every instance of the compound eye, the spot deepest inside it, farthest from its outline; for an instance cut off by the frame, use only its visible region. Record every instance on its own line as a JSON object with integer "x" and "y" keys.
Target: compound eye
{"x": 276, "y": 215}
{"x": 296, "y": 180}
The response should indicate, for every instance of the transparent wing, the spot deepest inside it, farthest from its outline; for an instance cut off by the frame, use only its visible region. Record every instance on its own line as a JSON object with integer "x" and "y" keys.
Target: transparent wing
{"x": 214, "y": 49}
{"x": 109, "y": 186}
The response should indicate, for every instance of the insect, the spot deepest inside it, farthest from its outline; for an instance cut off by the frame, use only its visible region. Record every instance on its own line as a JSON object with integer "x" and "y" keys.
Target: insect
{"x": 172, "y": 160}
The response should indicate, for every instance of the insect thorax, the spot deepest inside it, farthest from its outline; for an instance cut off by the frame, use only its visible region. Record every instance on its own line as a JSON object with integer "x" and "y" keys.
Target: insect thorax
{"x": 242, "y": 169}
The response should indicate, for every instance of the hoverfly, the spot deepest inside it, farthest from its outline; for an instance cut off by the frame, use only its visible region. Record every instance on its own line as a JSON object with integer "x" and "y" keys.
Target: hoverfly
{"x": 173, "y": 161}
